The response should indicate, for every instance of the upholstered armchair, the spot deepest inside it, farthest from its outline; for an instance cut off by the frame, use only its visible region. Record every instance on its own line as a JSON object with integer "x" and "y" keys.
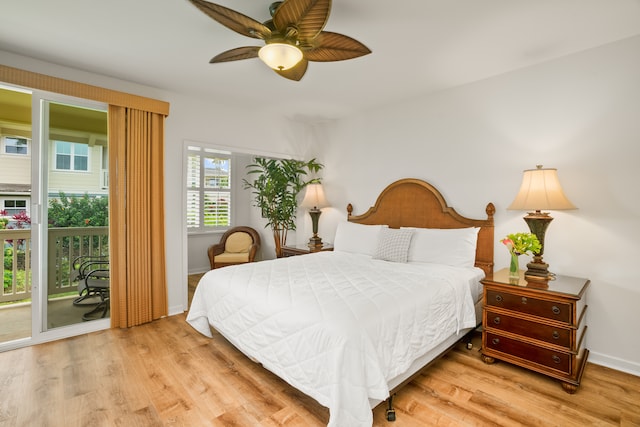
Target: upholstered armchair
{"x": 237, "y": 246}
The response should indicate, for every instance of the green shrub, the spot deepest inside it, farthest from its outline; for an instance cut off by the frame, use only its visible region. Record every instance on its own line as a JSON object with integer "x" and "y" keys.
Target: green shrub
{"x": 84, "y": 211}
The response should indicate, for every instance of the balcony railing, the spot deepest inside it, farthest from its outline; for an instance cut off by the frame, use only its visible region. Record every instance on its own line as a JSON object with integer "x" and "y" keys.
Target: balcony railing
{"x": 64, "y": 246}
{"x": 16, "y": 245}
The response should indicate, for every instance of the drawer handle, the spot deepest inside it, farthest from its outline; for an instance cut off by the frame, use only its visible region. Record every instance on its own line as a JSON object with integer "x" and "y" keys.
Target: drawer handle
{"x": 555, "y": 335}
{"x": 499, "y": 298}
{"x": 495, "y": 341}
{"x": 555, "y": 310}
{"x": 496, "y": 320}
{"x": 524, "y": 300}
{"x": 556, "y": 359}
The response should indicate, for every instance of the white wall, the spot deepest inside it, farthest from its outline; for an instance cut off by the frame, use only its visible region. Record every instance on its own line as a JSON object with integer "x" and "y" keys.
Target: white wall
{"x": 579, "y": 114}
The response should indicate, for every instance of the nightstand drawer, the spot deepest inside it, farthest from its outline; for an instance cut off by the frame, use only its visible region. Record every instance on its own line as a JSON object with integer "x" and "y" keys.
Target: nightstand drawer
{"x": 536, "y": 307}
{"x": 526, "y": 328}
{"x": 530, "y": 353}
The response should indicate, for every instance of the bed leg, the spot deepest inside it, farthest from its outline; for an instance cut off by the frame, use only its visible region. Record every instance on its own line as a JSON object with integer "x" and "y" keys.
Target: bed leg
{"x": 469, "y": 337}
{"x": 391, "y": 413}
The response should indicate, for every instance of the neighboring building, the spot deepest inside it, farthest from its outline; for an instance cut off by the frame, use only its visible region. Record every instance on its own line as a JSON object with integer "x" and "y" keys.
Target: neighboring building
{"x": 77, "y": 164}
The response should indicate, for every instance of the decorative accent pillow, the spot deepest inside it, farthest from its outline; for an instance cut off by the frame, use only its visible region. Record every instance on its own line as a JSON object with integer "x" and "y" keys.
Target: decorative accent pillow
{"x": 393, "y": 244}
{"x": 452, "y": 246}
{"x": 356, "y": 238}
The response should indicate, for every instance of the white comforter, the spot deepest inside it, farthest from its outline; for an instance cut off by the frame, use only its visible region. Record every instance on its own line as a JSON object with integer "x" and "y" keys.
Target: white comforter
{"x": 336, "y": 326}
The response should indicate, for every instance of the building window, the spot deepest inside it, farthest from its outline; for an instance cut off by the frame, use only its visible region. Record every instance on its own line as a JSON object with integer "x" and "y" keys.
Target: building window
{"x": 71, "y": 156}
{"x": 14, "y": 207}
{"x": 208, "y": 189}
{"x": 16, "y": 145}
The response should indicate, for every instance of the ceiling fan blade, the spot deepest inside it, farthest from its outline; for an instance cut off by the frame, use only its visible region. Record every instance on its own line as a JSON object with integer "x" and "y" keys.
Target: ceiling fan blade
{"x": 330, "y": 46}
{"x": 296, "y": 72}
{"x": 236, "y": 54}
{"x": 308, "y": 16}
{"x": 233, "y": 20}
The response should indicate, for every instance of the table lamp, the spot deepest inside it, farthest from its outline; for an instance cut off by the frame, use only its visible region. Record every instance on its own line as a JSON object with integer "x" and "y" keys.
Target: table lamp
{"x": 314, "y": 200}
{"x": 540, "y": 190}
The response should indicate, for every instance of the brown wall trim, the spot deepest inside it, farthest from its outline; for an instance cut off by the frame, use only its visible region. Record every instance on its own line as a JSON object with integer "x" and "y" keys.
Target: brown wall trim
{"x": 33, "y": 80}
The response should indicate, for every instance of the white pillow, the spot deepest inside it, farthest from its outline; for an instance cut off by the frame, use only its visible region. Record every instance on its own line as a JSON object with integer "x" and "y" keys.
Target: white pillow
{"x": 393, "y": 245}
{"x": 356, "y": 238}
{"x": 452, "y": 246}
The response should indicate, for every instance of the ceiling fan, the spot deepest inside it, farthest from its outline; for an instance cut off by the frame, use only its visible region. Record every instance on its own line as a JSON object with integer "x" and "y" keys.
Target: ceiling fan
{"x": 293, "y": 36}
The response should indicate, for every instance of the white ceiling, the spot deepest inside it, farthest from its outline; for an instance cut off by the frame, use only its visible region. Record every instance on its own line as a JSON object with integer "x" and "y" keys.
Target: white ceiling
{"x": 419, "y": 46}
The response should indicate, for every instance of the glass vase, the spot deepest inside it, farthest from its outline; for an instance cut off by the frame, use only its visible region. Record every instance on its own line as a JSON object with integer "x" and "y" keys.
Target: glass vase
{"x": 514, "y": 268}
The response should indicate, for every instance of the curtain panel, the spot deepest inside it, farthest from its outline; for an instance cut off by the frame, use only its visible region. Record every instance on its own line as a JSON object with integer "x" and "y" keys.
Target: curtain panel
{"x": 136, "y": 215}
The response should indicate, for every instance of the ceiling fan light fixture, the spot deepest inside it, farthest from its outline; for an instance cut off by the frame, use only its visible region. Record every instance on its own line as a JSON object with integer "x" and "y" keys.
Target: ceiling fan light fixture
{"x": 280, "y": 56}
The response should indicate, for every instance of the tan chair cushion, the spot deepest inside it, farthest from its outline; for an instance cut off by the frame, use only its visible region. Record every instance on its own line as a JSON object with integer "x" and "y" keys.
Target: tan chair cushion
{"x": 232, "y": 257}
{"x": 238, "y": 242}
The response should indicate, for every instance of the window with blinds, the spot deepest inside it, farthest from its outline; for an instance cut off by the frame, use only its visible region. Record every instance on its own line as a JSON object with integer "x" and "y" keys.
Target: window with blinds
{"x": 208, "y": 189}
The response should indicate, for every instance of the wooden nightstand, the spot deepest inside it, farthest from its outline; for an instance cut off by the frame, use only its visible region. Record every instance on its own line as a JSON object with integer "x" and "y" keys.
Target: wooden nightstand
{"x": 541, "y": 329}
{"x": 304, "y": 249}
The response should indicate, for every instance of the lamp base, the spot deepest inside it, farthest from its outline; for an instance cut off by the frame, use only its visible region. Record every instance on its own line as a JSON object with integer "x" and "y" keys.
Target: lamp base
{"x": 538, "y": 275}
{"x": 537, "y": 269}
{"x": 315, "y": 242}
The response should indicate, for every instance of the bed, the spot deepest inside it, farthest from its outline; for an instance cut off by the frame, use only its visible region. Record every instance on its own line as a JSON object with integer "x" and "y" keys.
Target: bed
{"x": 351, "y": 326}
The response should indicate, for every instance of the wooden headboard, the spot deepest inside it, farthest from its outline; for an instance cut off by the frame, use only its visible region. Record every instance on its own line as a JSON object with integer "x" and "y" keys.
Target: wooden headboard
{"x": 416, "y": 203}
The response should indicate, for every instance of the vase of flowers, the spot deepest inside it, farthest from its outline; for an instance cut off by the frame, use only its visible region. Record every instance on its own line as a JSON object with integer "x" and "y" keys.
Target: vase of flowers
{"x": 514, "y": 266}
{"x": 519, "y": 244}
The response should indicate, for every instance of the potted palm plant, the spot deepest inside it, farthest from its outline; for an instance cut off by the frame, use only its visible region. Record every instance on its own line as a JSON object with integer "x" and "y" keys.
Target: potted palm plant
{"x": 275, "y": 188}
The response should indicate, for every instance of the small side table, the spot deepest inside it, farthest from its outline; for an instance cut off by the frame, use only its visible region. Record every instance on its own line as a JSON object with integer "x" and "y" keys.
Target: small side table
{"x": 293, "y": 250}
{"x": 540, "y": 327}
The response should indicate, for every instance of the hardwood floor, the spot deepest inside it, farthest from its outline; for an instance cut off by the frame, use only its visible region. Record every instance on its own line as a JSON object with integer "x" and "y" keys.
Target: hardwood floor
{"x": 166, "y": 374}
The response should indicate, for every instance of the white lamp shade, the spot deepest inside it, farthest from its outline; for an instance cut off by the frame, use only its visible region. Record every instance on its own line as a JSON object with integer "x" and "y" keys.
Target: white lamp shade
{"x": 280, "y": 56}
{"x": 541, "y": 190}
{"x": 314, "y": 197}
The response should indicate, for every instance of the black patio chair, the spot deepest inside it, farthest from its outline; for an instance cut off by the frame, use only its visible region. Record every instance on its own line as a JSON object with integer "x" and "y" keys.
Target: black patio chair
{"x": 92, "y": 274}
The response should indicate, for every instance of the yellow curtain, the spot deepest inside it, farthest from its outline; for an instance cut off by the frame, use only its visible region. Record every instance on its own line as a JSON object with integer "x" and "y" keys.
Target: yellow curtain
{"x": 136, "y": 216}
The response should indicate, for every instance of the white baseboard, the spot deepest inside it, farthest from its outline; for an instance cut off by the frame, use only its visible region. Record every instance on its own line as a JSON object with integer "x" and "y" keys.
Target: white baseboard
{"x": 177, "y": 309}
{"x": 626, "y": 366}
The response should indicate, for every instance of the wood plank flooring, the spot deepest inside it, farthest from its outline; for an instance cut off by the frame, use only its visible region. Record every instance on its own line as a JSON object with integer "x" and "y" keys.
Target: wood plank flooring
{"x": 167, "y": 374}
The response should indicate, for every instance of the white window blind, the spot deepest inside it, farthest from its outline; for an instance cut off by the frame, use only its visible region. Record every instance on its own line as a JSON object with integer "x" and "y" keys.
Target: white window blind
{"x": 208, "y": 189}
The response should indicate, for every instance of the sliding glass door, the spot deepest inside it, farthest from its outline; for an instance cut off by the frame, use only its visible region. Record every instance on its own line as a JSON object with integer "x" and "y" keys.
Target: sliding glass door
{"x": 75, "y": 205}
{"x": 16, "y": 149}
{"x": 53, "y": 216}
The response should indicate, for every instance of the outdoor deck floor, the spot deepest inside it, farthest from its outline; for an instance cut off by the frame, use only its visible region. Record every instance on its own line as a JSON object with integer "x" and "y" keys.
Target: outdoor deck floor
{"x": 15, "y": 320}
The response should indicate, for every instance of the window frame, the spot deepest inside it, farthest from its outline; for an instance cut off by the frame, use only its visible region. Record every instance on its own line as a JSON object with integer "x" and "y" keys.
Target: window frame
{"x": 5, "y": 138}
{"x": 207, "y": 152}
{"x": 14, "y": 199}
{"x": 72, "y": 157}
